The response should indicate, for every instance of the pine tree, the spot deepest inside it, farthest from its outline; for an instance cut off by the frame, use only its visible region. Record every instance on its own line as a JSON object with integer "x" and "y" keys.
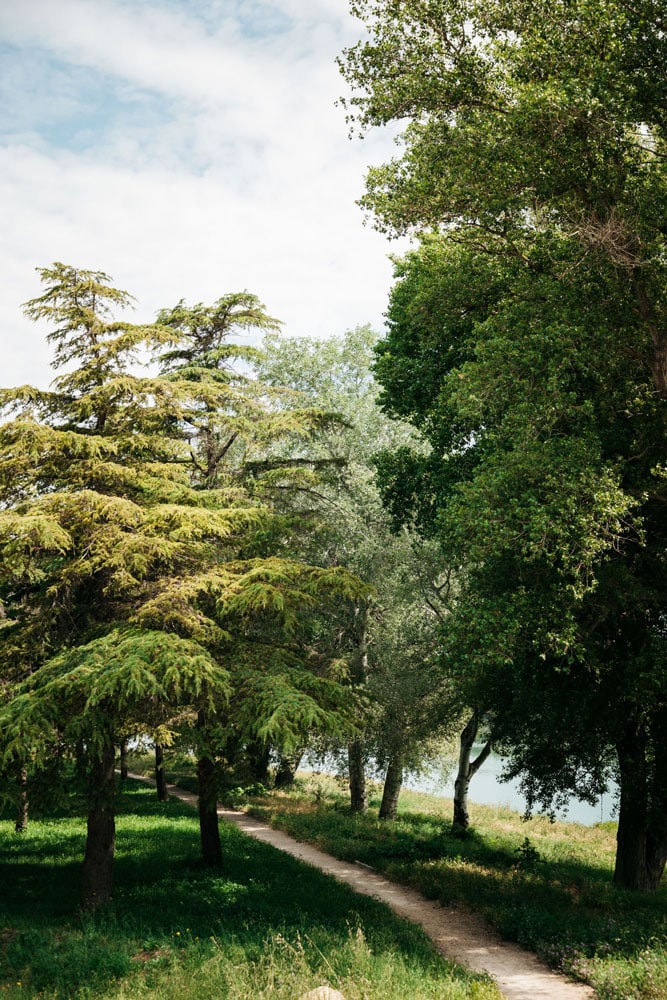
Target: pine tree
{"x": 122, "y": 570}
{"x": 97, "y": 516}
{"x": 234, "y": 425}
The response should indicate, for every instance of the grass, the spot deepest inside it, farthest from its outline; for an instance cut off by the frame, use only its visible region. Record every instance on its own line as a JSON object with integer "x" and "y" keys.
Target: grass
{"x": 546, "y": 885}
{"x": 264, "y": 925}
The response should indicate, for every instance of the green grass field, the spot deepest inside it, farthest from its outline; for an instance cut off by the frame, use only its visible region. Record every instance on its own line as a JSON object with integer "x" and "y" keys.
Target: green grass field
{"x": 546, "y": 885}
{"x": 263, "y": 926}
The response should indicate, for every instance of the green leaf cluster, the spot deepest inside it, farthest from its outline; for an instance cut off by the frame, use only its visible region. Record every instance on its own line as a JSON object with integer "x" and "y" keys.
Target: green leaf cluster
{"x": 528, "y": 342}
{"x": 142, "y": 559}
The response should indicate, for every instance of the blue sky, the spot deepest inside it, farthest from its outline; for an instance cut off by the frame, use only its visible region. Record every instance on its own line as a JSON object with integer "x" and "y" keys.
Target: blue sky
{"x": 188, "y": 148}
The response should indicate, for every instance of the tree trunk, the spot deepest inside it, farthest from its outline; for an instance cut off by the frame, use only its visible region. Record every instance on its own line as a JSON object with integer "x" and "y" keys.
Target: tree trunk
{"x": 356, "y": 754}
{"x": 21, "y": 824}
{"x": 641, "y": 841}
{"x": 466, "y": 771}
{"x": 160, "y": 777}
{"x": 80, "y": 768}
{"x": 358, "y": 793}
{"x": 209, "y": 831}
{"x": 648, "y": 312}
{"x": 258, "y": 756}
{"x": 101, "y": 838}
{"x": 287, "y": 768}
{"x": 392, "y": 787}
{"x": 123, "y": 760}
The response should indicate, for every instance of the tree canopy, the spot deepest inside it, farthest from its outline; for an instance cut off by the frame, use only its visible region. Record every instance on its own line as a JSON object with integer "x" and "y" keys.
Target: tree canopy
{"x": 391, "y": 635}
{"x": 135, "y": 578}
{"x": 527, "y": 340}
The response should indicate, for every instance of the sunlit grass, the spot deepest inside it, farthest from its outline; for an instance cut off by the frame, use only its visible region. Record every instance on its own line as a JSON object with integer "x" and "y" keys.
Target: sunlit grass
{"x": 546, "y": 885}
{"x": 264, "y": 925}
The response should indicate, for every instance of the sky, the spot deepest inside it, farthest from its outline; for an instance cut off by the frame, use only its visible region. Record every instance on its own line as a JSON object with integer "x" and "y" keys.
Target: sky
{"x": 188, "y": 148}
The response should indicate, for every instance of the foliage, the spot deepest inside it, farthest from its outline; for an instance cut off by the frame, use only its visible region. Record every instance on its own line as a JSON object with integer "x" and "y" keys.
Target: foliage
{"x": 241, "y": 434}
{"x": 528, "y": 341}
{"x": 410, "y": 708}
{"x": 137, "y": 579}
{"x": 106, "y": 517}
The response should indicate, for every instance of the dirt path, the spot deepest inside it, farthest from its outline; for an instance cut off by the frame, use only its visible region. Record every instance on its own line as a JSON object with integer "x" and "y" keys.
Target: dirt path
{"x": 457, "y": 933}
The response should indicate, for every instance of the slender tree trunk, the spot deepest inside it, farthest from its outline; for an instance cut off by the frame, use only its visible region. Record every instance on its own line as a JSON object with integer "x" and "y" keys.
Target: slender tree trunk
{"x": 641, "y": 841}
{"x": 160, "y": 777}
{"x": 356, "y": 749}
{"x": 259, "y": 755}
{"x": 230, "y": 751}
{"x": 209, "y": 831}
{"x": 21, "y": 824}
{"x": 101, "y": 838}
{"x": 648, "y": 312}
{"x": 466, "y": 771}
{"x": 80, "y": 769}
{"x": 287, "y": 768}
{"x": 123, "y": 760}
{"x": 656, "y": 857}
{"x": 358, "y": 792}
{"x": 393, "y": 783}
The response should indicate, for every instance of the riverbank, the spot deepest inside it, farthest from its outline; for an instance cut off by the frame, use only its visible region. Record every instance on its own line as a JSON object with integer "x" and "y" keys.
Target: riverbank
{"x": 488, "y": 788}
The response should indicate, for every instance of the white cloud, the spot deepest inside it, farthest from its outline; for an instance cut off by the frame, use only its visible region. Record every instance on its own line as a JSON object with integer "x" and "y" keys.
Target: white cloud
{"x": 219, "y": 162}
{"x": 159, "y": 47}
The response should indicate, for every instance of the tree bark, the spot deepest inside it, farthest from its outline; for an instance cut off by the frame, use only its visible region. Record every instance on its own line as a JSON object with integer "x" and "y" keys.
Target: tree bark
{"x": 80, "y": 769}
{"x": 393, "y": 783}
{"x": 160, "y": 776}
{"x": 123, "y": 760}
{"x": 641, "y": 840}
{"x": 287, "y": 768}
{"x": 258, "y": 756}
{"x": 209, "y": 831}
{"x": 356, "y": 754}
{"x": 648, "y": 312}
{"x": 101, "y": 839}
{"x": 466, "y": 771}
{"x": 21, "y": 824}
{"x": 358, "y": 792}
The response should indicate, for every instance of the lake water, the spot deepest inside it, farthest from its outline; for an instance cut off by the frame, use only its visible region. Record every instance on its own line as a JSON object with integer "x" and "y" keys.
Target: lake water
{"x": 486, "y": 788}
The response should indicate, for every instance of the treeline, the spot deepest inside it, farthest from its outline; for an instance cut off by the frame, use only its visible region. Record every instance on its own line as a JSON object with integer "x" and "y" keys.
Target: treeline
{"x": 242, "y": 551}
{"x": 194, "y": 552}
{"x": 528, "y": 342}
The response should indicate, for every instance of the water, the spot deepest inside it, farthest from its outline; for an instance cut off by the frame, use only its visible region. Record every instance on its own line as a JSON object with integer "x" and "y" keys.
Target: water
{"x": 486, "y": 788}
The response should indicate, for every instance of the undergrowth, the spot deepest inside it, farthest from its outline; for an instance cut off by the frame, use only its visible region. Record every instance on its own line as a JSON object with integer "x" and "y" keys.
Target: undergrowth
{"x": 546, "y": 885}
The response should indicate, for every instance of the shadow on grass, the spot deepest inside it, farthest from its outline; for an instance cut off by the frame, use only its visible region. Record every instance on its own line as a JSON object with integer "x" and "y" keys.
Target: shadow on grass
{"x": 166, "y": 902}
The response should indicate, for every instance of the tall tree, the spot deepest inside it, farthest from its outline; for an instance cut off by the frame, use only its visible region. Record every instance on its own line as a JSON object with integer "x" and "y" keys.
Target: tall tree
{"x": 97, "y": 517}
{"x": 124, "y": 593}
{"x": 234, "y": 423}
{"x": 529, "y": 341}
{"x": 388, "y": 639}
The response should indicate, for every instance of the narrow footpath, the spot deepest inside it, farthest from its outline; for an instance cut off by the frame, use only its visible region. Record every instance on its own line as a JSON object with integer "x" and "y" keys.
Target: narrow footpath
{"x": 457, "y": 933}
